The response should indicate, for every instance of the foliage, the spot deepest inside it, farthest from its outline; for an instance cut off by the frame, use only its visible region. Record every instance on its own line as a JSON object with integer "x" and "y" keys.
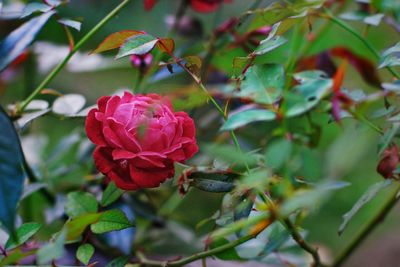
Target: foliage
{"x": 286, "y": 115}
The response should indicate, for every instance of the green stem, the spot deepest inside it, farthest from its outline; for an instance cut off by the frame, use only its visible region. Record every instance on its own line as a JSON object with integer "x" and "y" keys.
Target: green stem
{"x": 368, "y": 228}
{"x": 367, "y": 44}
{"x": 62, "y": 64}
{"x": 196, "y": 256}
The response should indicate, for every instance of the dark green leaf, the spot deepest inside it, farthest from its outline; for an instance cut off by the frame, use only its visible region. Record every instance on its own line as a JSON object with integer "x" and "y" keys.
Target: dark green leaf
{"x": 79, "y": 203}
{"x": 212, "y": 185}
{"x": 111, "y": 220}
{"x": 372, "y": 191}
{"x": 22, "y": 234}
{"x": 111, "y": 194}
{"x": 85, "y": 253}
{"x": 11, "y": 171}
{"x": 118, "y": 262}
{"x": 244, "y": 117}
{"x": 15, "y": 43}
{"x": 137, "y": 45}
{"x": 230, "y": 154}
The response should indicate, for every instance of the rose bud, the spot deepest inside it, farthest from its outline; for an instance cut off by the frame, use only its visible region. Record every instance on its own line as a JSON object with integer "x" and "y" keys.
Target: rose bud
{"x": 138, "y": 138}
{"x": 142, "y": 62}
{"x": 388, "y": 163}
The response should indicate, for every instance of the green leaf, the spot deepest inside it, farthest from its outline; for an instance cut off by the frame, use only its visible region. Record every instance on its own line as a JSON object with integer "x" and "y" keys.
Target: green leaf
{"x": 371, "y": 192}
{"x": 118, "y": 262}
{"x": 230, "y": 154}
{"x": 12, "y": 175}
{"x": 137, "y": 45}
{"x": 79, "y": 203}
{"x": 226, "y": 255}
{"x": 387, "y": 137}
{"x": 71, "y": 23}
{"x": 22, "y": 234}
{"x": 277, "y": 237}
{"x": 278, "y": 152}
{"x": 111, "y": 220}
{"x": 270, "y": 43}
{"x": 14, "y": 256}
{"x": 111, "y": 194}
{"x": 263, "y": 83}
{"x": 214, "y": 186}
{"x": 307, "y": 95}
{"x": 52, "y": 251}
{"x": 77, "y": 226}
{"x": 279, "y": 11}
{"x": 16, "y": 42}
{"x": 115, "y": 40}
{"x": 85, "y": 253}
{"x": 69, "y": 104}
{"x": 242, "y": 118}
{"x": 33, "y": 8}
{"x": 390, "y": 57}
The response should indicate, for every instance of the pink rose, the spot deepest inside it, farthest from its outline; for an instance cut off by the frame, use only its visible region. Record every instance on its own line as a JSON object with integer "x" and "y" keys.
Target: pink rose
{"x": 138, "y": 138}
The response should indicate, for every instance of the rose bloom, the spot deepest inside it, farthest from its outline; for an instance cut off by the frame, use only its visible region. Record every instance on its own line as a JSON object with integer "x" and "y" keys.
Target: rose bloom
{"x": 203, "y": 6}
{"x": 138, "y": 138}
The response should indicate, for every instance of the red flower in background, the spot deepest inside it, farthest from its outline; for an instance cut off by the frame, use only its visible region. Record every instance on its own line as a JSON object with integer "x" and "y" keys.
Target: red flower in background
{"x": 138, "y": 138}
{"x": 203, "y": 6}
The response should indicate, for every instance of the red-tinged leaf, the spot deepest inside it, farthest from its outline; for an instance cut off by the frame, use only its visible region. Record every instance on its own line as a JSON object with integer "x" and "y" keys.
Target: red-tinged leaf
{"x": 339, "y": 76}
{"x": 365, "y": 67}
{"x": 149, "y": 4}
{"x": 322, "y": 62}
{"x": 388, "y": 163}
{"x": 115, "y": 40}
{"x": 166, "y": 45}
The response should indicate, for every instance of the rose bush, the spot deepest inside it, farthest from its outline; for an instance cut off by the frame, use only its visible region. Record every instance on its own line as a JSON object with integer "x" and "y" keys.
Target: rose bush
{"x": 138, "y": 138}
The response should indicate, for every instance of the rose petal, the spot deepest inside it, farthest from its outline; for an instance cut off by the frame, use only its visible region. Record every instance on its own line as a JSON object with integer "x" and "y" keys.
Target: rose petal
{"x": 93, "y": 128}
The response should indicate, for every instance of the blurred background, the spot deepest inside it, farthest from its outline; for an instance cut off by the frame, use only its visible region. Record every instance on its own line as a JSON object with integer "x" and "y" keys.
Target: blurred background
{"x": 97, "y": 75}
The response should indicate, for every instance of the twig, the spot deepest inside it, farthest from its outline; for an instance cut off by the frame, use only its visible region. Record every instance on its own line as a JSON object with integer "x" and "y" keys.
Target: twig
{"x": 367, "y": 44}
{"x": 368, "y": 229}
{"x": 196, "y": 256}
{"x": 302, "y": 243}
{"x": 62, "y": 64}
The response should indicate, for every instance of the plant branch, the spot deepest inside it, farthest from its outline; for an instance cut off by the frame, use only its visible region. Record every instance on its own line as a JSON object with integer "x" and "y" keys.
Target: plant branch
{"x": 368, "y": 228}
{"x": 302, "y": 243}
{"x": 367, "y": 44}
{"x": 196, "y": 256}
{"x": 62, "y": 64}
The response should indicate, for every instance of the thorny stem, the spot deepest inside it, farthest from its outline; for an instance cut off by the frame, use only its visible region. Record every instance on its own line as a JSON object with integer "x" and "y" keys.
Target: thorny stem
{"x": 293, "y": 231}
{"x": 368, "y": 228}
{"x": 62, "y": 64}
{"x": 302, "y": 243}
